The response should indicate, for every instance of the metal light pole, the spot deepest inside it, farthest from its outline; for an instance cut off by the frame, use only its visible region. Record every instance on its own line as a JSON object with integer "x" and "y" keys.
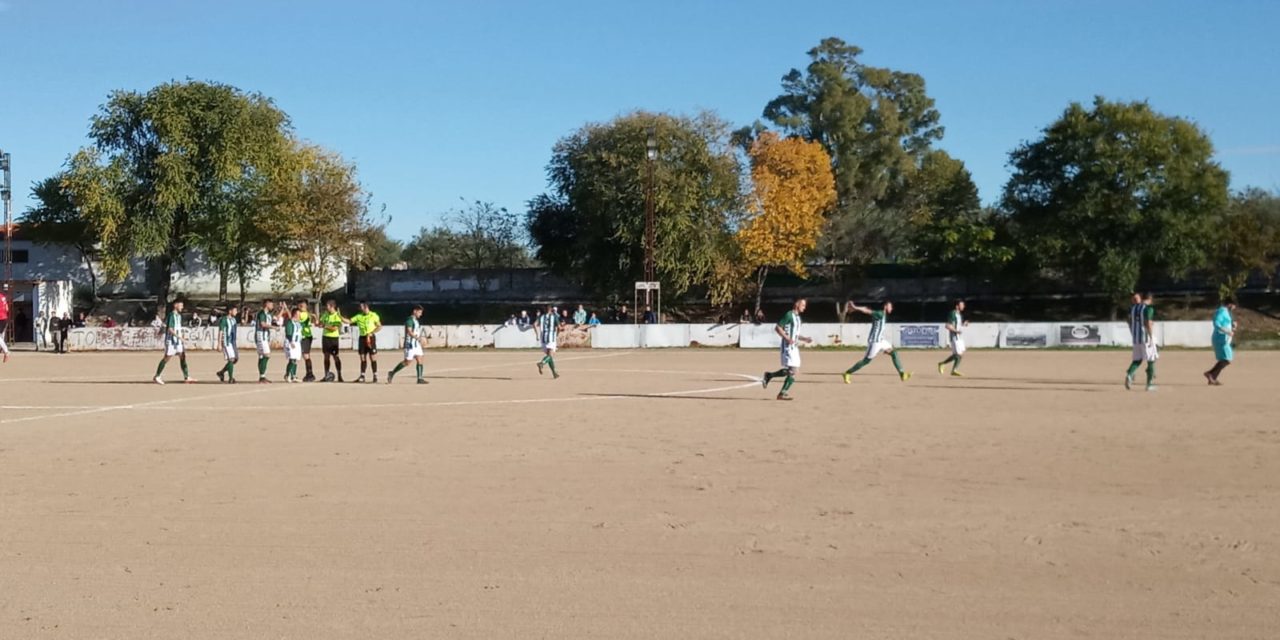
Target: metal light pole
{"x": 651, "y": 159}
{"x": 6, "y": 194}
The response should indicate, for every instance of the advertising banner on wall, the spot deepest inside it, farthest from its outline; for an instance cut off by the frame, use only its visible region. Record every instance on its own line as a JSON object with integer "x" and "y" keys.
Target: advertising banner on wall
{"x": 1025, "y": 336}
{"x": 918, "y": 335}
{"x": 1079, "y": 335}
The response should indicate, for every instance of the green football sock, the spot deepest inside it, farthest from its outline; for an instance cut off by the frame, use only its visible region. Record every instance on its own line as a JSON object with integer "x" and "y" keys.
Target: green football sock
{"x": 1133, "y": 367}
{"x": 419, "y": 372}
{"x": 786, "y": 384}
{"x": 950, "y": 358}
{"x": 780, "y": 372}
{"x": 551, "y": 362}
{"x": 160, "y": 369}
{"x": 231, "y": 370}
{"x": 893, "y": 355}
{"x": 183, "y": 363}
{"x": 224, "y": 367}
{"x": 860, "y": 364}
{"x": 956, "y": 360}
{"x": 1151, "y": 371}
{"x": 397, "y": 368}
{"x": 262, "y": 367}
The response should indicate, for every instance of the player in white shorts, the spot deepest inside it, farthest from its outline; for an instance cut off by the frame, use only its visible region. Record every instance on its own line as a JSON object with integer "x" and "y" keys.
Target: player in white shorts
{"x": 548, "y": 330}
{"x": 173, "y": 345}
{"x": 262, "y": 338}
{"x": 293, "y": 344}
{"x": 227, "y": 339}
{"x": 789, "y": 350}
{"x": 412, "y": 346}
{"x": 955, "y": 330}
{"x": 1142, "y": 316}
{"x": 877, "y": 341}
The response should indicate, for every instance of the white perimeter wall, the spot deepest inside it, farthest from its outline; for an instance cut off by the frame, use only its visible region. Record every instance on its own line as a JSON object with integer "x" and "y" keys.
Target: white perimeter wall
{"x": 746, "y": 336}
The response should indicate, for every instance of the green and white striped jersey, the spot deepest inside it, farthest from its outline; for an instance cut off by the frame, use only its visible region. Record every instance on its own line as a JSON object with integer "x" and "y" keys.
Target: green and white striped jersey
{"x": 262, "y": 327}
{"x": 173, "y": 326}
{"x": 228, "y": 327}
{"x": 877, "y": 327}
{"x": 410, "y": 332}
{"x": 1139, "y": 314}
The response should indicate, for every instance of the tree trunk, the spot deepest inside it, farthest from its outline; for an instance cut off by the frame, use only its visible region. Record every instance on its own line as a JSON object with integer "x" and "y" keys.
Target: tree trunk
{"x": 241, "y": 277}
{"x": 166, "y": 281}
{"x": 93, "y": 277}
{"x": 222, "y": 282}
{"x": 761, "y": 274}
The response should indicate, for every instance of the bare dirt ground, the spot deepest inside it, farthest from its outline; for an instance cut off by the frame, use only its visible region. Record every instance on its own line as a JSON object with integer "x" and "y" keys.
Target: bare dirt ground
{"x": 657, "y": 494}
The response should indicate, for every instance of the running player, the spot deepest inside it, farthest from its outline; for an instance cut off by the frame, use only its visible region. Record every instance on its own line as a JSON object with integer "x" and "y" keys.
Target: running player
{"x": 4, "y": 321}
{"x": 368, "y": 324}
{"x": 412, "y": 346}
{"x": 262, "y": 338}
{"x": 173, "y": 344}
{"x": 877, "y": 342}
{"x": 955, "y": 327}
{"x": 548, "y": 331}
{"x": 293, "y": 344}
{"x": 227, "y": 340}
{"x": 304, "y": 316}
{"x": 1142, "y": 328}
{"x": 789, "y": 330}
{"x": 1224, "y": 333}
{"x": 331, "y": 322}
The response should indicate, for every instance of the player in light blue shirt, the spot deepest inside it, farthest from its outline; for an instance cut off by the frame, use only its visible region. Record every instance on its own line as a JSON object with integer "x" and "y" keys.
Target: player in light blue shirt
{"x": 1224, "y": 331}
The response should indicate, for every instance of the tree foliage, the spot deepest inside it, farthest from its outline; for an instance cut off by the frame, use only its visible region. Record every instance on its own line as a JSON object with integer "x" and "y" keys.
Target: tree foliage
{"x": 1246, "y": 238}
{"x": 1116, "y": 193}
{"x": 477, "y": 236}
{"x": 590, "y": 226}
{"x": 55, "y": 219}
{"x": 320, "y": 215}
{"x": 950, "y": 228}
{"x": 876, "y": 124}
{"x": 792, "y": 189}
{"x": 169, "y": 169}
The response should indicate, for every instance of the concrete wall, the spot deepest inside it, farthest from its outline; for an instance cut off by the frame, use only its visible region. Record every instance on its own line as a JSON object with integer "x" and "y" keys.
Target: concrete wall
{"x": 746, "y": 336}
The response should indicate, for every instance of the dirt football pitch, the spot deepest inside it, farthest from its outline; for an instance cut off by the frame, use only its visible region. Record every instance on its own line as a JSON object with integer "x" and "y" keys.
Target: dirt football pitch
{"x": 645, "y": 494}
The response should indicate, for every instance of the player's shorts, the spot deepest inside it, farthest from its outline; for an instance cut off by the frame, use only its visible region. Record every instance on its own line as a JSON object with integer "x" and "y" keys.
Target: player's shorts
{"x": 230, "y": 352}
{"x": 791, "y": 357}
{"x": 1144, "y": 351}
{"x": 368, "y": 345}
{"x": 293, "y": 351}
{"x": 1223, "y": 350}
{"x": 174, "y": 348}
{"x": 876, "y": 348}
{"x": 329, "y": 345}
{"x": 264, "y": 348}
{"x": 306, "y": 345}
{"x": 957, "y": 346}
{"x": 549, "y": 346}
{"x": 412, "y": 352}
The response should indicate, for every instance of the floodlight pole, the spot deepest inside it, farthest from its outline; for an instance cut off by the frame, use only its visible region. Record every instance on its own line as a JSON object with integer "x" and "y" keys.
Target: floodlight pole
{"x": 651, "y": 159}
{"x": 6, "y": 194}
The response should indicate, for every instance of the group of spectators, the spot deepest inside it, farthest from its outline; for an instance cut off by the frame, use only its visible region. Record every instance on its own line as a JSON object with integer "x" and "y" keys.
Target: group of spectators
{"x": 580, "y": 316}
{"x": 51, "y": 331}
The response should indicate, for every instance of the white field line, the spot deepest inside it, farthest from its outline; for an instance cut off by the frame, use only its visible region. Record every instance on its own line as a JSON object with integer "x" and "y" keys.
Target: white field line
{"x": 122, "y": 407}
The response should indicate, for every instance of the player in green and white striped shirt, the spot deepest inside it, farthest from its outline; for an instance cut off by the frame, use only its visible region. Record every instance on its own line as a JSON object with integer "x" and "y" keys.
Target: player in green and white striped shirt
{"x": 227, "y": 342}
{"x": 1142, "y": 315}
{"x": 262, "y": 338}
{"x": 955, "y": 327}
{"x": 788, "y": 328}
{"x": 877, "y": 341}
{"x": 173, "y": 345}
{"x": 412, "y": 346}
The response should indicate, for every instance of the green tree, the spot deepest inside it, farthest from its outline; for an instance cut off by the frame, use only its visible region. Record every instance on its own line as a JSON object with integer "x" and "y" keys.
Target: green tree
{"x": 55, "y": 219}
{"x": 383, "y": 251}
{"x": 168, "y": 166}
{"x": 590, "y": 227}
{"x": 876, "y": 124}
{"x": 477, "y": 236}
{"x": 1116, "y": 193}
{"x": 1247, "y": 238}
{"x": 951, "y": 229}
{"x": 320, "y": 213}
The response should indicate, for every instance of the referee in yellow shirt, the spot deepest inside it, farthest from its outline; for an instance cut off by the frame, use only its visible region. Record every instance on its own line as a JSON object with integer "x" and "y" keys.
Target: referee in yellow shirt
{"x": 368, "y": 324}
{"x": 331, "y": 323}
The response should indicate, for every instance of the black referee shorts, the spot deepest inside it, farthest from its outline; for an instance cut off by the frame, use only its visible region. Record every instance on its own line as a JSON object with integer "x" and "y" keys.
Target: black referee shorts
{"x": 330, "y": 345}
{"x": 306, "y": 345}
{"x": 368, "y": 345}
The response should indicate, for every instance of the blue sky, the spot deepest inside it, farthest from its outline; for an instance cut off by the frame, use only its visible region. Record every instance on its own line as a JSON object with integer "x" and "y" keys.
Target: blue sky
{"x": 440, "y": 101}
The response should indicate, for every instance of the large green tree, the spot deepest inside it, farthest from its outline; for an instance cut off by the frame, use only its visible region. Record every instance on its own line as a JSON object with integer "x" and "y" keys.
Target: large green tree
{"x": 172, "y": 170}
{"x": 590, "y": 226}
{"x": 55, "y": 219}
{"x": 951, "y": 229}
{"x": 1116, "y": 193}
{"x": 877, "y": 124}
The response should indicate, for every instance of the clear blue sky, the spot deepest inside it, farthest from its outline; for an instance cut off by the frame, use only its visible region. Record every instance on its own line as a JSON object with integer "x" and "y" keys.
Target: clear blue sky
{"x": 440, "y": 101}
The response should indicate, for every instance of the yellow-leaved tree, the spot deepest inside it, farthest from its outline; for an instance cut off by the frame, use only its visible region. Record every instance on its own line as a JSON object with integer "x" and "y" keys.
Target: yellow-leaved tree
{"x": 792, "y": 189}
